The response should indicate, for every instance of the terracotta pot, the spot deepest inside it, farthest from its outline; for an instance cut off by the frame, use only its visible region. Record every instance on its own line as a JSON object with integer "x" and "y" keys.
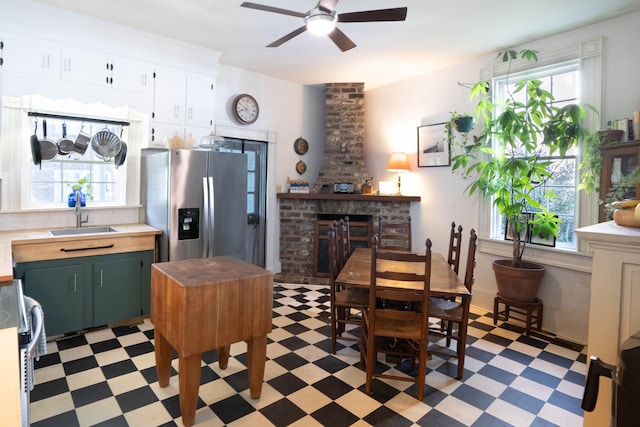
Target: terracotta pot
{"x": 518, "y": 284}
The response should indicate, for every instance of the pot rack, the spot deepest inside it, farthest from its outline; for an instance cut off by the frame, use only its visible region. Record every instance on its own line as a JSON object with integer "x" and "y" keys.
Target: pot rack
{"x": 79, "y": 118}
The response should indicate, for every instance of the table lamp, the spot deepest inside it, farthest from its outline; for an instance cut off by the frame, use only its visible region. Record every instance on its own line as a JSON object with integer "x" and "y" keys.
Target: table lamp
{"x": 398, "y": 163}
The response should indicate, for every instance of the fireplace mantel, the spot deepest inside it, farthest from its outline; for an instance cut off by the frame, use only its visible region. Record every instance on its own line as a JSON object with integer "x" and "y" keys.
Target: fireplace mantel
{"x": 348, "y": 197}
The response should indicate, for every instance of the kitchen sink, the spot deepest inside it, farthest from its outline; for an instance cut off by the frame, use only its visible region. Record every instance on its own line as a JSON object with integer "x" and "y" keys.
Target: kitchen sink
{"x": 82, "y": 230}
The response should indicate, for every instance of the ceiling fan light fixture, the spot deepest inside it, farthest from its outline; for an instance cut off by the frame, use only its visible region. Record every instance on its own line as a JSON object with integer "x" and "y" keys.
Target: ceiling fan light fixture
{"x": 319, "y": 22}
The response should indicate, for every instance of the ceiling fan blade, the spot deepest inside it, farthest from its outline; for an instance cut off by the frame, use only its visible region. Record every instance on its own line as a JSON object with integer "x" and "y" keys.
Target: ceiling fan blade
{"x": 288, "y": 37}
{"x": 341, "y": 40}
{"x": 272, "y": 9}
{"x": 327, "y": 5}
{"x": 395, "y": 14}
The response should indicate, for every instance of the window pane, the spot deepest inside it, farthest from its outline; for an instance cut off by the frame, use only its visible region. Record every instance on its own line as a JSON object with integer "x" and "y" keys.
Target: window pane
{"x": 565, "y": 89}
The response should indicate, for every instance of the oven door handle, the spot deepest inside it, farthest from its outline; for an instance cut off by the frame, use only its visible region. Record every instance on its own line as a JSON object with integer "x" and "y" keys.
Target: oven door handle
{"x": 38, "y": 319}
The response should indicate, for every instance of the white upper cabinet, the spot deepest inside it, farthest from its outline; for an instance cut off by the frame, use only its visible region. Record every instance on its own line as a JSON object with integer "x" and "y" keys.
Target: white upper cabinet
{"x": 184, "y": 104}
{"x": 27, "y": 56}
{"x": 200, "y": 100}
{"x": 131, "y": 74}
{"x": 85, "y": 66}
{"x": 169, "y": 96}
{"x": 101, "y": 69}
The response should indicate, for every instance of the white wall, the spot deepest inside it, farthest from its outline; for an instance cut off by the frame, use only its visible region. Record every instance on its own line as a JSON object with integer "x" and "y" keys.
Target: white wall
{"x": 394, "y": 112}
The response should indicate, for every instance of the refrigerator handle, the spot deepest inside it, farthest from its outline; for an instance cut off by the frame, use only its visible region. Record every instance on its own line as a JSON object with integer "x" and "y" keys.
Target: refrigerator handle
{"x": 212, "y": 213}
{"x": 205, "y": 218}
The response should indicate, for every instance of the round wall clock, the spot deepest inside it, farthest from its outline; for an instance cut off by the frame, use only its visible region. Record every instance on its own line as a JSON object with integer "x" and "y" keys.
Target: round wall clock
{"x": 301, "y": 146}
{"x": 245, "y": 109}
{"x": 301, "y": 167}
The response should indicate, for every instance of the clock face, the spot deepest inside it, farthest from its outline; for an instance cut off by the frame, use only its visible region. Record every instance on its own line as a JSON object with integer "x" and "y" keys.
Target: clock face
{"x": 245, "y": 109}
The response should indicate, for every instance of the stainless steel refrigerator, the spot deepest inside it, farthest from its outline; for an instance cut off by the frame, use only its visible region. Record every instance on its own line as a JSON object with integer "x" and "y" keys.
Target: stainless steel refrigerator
{"x": 198, "y": 198}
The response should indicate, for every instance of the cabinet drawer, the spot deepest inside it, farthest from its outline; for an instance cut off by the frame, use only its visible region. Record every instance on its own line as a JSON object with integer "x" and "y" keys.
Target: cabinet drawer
{"x": 57, "y": 249}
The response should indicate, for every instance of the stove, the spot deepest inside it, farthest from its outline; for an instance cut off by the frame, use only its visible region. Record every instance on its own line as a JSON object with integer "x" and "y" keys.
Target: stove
{"x": 13, "y": 314}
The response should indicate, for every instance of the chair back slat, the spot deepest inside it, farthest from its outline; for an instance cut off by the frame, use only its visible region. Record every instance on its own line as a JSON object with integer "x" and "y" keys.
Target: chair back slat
{"x": 396, "y": 236}
{"x": 455, "y": 247}
{"x": 471, "y": 260}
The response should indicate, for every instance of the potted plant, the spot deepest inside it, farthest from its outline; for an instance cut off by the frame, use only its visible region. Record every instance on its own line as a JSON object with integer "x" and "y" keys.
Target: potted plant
{"x": 461, "y": 122}
{"x": 511, "y": 177}
{"x": 82, "y": 185}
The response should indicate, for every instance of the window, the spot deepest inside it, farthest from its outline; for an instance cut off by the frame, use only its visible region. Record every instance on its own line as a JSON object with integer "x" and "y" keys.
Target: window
{"x": 563, "y": 81}
{"x": 48, "y": 185}
{"x": 51, "y": 181}
{"x": 587, "y": 58}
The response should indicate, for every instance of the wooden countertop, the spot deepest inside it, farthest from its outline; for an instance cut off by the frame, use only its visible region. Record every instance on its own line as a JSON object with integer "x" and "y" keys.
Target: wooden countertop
{"x": 347, "y": 196}
{"x": 11, "y": 239}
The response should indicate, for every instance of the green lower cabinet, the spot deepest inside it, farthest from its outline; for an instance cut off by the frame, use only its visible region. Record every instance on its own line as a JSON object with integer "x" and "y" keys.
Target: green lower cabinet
{"x": 116, "y": 290}
{"x": 61, "y": 297}
{"x": 80, "y": 293}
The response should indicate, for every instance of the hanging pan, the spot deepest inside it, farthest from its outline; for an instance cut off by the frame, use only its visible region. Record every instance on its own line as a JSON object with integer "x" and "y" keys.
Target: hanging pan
{"x": 35, "y": 147}
{"x": 121, "y": 156}
{"x": 65, "y": 145}
{"x": 48, "y": 148}
{"x": 82, "y": 141}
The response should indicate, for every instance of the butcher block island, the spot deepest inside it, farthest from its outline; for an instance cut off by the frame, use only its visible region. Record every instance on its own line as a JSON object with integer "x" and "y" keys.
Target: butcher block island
{"x": 204, "y": 304}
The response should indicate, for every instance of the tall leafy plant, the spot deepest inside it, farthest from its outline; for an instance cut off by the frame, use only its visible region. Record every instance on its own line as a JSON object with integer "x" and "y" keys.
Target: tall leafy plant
{"x": 508, "y": 162}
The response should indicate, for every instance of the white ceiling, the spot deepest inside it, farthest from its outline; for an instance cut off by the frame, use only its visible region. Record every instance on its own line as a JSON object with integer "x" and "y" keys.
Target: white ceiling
{"x": 435, "y": 34}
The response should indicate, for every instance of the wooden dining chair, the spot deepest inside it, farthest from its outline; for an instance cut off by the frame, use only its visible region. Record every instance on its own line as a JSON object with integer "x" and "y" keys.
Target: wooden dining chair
{"x": 346, "y": 304}
{"x": 396, "y": 235}
{"x": 344, "y": 241}
{"x": 455, "y": 246}
{"x": 455, "y": 315}
{"x": 403, "y": 315}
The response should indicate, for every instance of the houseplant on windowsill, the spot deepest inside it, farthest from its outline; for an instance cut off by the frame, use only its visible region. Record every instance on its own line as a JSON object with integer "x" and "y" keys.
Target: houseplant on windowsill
{"x": 512, "y": 177}
{"x": 82, "y": 185}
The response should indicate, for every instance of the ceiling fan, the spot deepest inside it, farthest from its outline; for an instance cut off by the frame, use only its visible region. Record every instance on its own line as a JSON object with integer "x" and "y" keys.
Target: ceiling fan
{"x": 322, "y": 19}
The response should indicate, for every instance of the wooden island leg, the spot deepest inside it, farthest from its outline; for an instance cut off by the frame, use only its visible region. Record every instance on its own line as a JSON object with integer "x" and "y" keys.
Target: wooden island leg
{"x": 256, "y": 355}
{"x": 223, "y": 356}
{"x": 163, "y": 358}
{"x": 189, "y": 381}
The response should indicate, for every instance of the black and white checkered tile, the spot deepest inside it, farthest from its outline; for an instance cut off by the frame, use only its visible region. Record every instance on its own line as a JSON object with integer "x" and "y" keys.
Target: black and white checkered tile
{"x": 107, "y": 377}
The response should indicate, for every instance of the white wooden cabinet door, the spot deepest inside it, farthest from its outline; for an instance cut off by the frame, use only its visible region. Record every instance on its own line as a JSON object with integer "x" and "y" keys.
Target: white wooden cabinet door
{"x": 164, "y": 130}
{"x": 86, "y": 66}
{"x": 169, "y": 96}
{"x": 130, "y": 74}
{"x": 30, "y": 57}
{"x": 200, "y": 100}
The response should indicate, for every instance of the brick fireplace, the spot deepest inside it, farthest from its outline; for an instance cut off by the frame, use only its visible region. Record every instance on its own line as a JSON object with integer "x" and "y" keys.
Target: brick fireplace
{"x": 344, "y": 162}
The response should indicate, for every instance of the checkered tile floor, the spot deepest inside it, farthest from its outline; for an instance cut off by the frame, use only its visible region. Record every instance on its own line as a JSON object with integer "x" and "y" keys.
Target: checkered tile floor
{"x": 107, "y": 377}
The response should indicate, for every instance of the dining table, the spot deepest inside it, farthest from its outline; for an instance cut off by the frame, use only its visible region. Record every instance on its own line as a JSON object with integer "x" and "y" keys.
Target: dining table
{"x": 356, "y": 273}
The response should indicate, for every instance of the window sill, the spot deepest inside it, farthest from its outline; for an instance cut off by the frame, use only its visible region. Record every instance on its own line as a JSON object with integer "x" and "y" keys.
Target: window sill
{"x": 563, "y": 258}
{"x": 66, "y": 208}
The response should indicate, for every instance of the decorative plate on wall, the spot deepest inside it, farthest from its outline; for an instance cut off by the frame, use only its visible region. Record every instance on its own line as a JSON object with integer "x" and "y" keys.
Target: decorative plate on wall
{"x": 301, "y": 146}
{"x": 301, "y": 167}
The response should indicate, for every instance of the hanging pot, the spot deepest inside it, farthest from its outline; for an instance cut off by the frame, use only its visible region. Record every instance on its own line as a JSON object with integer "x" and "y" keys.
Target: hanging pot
{"x": 121, "y": 156}
{"x": 48, "y": 147}
{"x": 82, "y": 141}
{"x": 106, "y": 144}
{"x": 35, "y": 147}
{"x": 65, "y": 145}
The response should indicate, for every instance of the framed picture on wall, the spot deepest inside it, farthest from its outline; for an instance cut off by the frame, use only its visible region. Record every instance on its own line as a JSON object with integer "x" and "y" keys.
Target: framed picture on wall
{"x": 433, "y": 145}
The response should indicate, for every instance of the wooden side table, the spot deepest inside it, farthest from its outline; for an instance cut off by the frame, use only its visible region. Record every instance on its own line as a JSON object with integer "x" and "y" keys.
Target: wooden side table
{"x": 204, "y": 304}
{"x": 529, "y": 308}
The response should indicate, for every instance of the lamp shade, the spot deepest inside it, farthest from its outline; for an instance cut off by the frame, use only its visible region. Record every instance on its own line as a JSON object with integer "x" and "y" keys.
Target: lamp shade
{"x": 398, "y": 163}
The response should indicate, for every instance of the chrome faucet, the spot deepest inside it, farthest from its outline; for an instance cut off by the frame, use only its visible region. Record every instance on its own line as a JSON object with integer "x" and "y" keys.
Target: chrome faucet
{"x": 79, "y": 220}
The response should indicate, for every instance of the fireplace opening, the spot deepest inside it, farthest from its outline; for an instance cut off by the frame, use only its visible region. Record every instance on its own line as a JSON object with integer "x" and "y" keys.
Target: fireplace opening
{"x": 360, "y": 228}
